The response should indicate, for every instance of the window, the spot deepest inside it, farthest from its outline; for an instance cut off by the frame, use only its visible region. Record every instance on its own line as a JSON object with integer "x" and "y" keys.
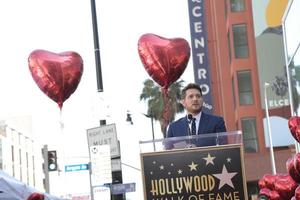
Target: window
{"x": 13, "y": 160}
{"x": 232, "y": 86}
{"x": 253, "y": 189}
{"x": 249, "y": 134}
{"x": 19, "y": 138}
{"x": 20, "y": 163}
{"x": 240, "y": 41}
{"x": 237, "y": 5}
{"x": 33, "y": 169}
{"x": 245, "y": 87}
{"x": 27, "y": 168}
{"x": 229, "y": 46}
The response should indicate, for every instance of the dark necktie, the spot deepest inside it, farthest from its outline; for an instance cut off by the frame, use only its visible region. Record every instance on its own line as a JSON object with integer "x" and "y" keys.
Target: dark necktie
{"x": 194, "y": 126}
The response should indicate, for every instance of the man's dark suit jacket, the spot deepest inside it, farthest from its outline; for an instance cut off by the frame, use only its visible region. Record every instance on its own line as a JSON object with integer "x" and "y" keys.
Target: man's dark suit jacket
{"x": 208, "y": 124}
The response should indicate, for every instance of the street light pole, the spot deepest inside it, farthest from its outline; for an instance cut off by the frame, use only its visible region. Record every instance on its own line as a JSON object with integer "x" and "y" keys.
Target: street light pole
{"x": 96, "y": 47}
{"x": 269, "y": 129}
{"x": 46, "y": 170}
{"x": 152, "y": 127}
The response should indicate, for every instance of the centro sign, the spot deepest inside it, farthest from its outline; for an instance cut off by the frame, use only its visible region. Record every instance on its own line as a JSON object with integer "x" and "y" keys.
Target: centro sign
{"x": 200, "y": 51}
{"x": 104, "y": 135}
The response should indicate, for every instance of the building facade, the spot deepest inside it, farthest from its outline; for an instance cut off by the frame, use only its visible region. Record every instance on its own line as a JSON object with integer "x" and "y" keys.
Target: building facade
{"x": 19, "y": 156}
{"x": 246, "y": 59}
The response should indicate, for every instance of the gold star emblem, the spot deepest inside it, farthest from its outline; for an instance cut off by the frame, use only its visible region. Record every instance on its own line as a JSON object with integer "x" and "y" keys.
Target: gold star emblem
{"x": 225, "y": 177}
{"x": 209, "y": 159}
{"x": 193, "y": 166}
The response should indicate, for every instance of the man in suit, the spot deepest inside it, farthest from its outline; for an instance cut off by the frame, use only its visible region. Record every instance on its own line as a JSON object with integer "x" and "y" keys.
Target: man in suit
{"x": 196, "y": 121}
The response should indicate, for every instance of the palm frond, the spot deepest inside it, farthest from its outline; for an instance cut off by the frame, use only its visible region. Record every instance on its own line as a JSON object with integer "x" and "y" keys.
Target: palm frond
{"x": 153, "y": 95}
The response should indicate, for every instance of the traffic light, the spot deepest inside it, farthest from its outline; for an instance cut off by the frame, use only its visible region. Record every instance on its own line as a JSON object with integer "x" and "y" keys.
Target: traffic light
{"x": 52, "y": 161}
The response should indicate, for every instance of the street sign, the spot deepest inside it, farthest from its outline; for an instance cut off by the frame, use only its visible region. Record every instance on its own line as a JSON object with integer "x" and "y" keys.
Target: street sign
{"x": 116, "y": 164}
{"x": 78, "y": 167}
{"x": 104, "y": 135}
{"x": 100, "y": 164}
{"x": 122, "y": 188}
{"x": 101, "y": 193}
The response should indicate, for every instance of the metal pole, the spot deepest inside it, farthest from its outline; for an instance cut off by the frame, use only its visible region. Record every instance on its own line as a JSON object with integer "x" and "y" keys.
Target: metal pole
{"x": 269, "y": 129}
{"x": 46, "y": 170}
{"x": 152, "y": 127}
{"x": 153, "y": 137}
{"x": 96, "y": 47}
{"x": 91, "y": 185}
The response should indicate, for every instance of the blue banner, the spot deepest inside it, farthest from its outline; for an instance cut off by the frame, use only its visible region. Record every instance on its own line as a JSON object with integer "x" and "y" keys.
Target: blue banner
{"x": 200, "y": 51}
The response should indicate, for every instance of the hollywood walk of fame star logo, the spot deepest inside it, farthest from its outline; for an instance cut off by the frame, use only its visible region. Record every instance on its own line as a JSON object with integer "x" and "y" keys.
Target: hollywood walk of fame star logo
{"x": 225, "y": 177}
{"x": 209, "y": 159}
{"x": 193, "y": 166}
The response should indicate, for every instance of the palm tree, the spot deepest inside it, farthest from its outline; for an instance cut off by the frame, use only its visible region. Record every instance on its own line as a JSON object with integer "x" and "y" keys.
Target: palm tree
{"x": 154, "y": 96}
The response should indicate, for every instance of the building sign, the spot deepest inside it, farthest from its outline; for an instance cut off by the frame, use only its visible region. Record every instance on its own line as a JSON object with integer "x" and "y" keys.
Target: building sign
{"x": 291, "y": 32}
{"x": 199, "y": 173}
{"x": 200, "y": 51}
{"x": 271, "y": 68}
{"x": 104, "y": 135}
{"x": 270, "y": 53}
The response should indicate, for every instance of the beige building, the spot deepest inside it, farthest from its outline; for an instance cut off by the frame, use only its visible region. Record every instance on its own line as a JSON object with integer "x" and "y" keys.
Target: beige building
{"x": 20, "y": 155}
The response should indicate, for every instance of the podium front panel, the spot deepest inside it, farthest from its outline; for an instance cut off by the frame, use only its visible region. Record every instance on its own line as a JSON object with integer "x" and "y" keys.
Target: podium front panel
{"x": 210, "y": 173}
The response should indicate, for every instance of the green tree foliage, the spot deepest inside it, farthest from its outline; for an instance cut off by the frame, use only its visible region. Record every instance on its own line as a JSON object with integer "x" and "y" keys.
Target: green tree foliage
{"x": 153, "y": 95}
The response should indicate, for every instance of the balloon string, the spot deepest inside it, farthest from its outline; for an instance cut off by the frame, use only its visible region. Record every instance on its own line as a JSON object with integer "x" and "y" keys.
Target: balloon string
{"x": 167, "y": 108}
{"x": 62, "y": 135}
{"x": 61, "y": 122}
{"x": 167, "y": 81}
{"x": 61, "y": 153}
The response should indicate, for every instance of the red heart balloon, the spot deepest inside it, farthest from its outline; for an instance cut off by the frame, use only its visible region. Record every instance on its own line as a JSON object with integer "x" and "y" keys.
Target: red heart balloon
{"x": 273, "y": 195}
{"x": 36, "y": 196}
{"x": 294, "y": 126}
{"x": 297, "y": 133}
{"x": 297, "y": 193}
{"x": 164, "y": 59}
{"x": 291, "y": 169}
{"x": 264, "y": 192}
{"x": 296, "y": 163}
{"x": 270, "y": 194}
{"x": 261, "y": 183}
{"x": 285, "y": 186}
{"x": 269, "y": 180}
{"x": 57, "y": 75}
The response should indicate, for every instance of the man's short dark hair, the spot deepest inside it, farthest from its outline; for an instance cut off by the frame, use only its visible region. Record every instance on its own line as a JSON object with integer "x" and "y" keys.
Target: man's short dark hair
{"x": 190, "y": 86}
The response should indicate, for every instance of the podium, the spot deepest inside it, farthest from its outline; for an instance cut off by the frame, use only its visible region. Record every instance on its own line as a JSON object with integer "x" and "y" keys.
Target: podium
{"x": 198, "y": 167}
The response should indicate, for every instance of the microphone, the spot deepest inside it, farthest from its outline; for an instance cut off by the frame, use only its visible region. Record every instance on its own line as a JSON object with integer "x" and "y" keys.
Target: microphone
{"x": 190, "y": 117}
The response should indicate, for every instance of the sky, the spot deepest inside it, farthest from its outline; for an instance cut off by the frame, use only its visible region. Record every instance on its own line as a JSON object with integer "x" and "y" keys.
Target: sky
{"x": 66, "y": 25}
